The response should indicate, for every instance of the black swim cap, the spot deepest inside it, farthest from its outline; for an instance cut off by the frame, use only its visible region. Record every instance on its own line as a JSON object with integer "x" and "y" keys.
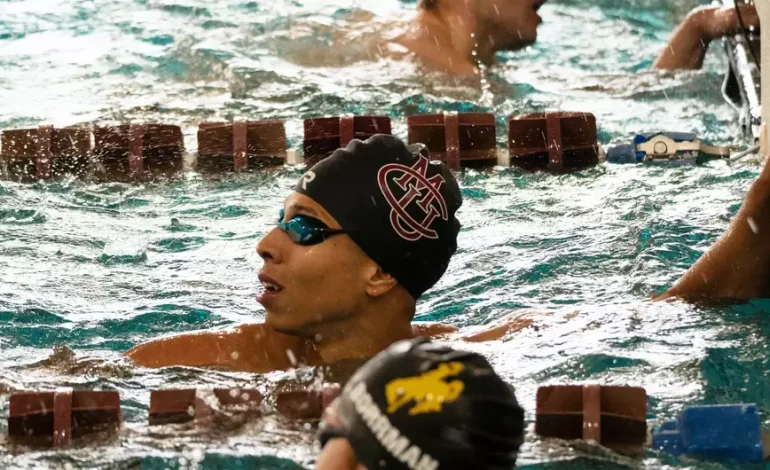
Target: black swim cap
{"x": 422, "y": 405}
{"x": 397, "y": 204}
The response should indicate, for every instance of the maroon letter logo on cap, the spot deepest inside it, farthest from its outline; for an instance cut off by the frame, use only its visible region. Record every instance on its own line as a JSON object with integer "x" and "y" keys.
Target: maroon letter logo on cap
{"x": 416, "y": 192}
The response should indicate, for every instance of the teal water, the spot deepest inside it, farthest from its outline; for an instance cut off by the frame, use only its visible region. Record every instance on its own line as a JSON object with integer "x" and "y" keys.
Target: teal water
{"x": 99, "y": 267}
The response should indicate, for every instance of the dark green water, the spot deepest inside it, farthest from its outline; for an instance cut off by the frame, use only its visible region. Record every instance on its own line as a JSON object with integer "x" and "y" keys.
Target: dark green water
{"x": 99, "y": 267}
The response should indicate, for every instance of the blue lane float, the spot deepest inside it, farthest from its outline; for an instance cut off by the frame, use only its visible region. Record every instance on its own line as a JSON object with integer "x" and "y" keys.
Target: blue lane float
{"x": 719, "y": 432}
{"x": 670, "y": 147}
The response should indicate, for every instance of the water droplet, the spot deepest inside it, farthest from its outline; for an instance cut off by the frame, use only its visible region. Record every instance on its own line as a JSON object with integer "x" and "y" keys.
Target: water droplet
{"x": 235, "y": 355}
{"x": 753, "y": 225}
{"x": 292, "y": 358}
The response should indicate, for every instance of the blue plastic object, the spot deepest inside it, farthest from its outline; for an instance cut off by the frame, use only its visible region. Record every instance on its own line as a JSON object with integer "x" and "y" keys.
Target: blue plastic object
{"x": 720, "y": 432}
{"x": 669, "y": 147}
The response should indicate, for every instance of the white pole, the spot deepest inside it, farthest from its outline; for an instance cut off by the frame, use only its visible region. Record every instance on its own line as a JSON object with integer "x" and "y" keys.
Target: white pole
{"x": 763, "y": 8}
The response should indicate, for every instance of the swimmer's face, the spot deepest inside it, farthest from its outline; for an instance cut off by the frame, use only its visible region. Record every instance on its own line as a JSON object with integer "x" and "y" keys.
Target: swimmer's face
{"x": 337, "y": 454}
{"x": 509, "y": 24}
{"x": 308, "y": 286}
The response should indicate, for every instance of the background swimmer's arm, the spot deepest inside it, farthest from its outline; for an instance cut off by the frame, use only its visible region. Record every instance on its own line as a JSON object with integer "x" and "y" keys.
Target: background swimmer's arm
{"x": 687, "y": 47}
{"x": 507, "y": 325}
{"x": 249, "y": 348}
{"x": 432, "y": 329}
{"x": 737, "y": 266}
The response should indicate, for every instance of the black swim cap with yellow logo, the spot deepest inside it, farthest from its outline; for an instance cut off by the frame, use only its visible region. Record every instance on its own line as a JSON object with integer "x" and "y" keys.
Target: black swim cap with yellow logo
{"x": 420, "y": 405}
{"x": 395, "y": 203}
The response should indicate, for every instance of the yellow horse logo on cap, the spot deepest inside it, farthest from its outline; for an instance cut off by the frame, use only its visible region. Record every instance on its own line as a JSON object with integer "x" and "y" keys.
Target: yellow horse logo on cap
{"x": 429, "y": 391}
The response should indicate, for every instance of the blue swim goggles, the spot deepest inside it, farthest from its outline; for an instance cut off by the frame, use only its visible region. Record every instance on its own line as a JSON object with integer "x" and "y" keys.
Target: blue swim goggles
{"x": 305, "y": 230}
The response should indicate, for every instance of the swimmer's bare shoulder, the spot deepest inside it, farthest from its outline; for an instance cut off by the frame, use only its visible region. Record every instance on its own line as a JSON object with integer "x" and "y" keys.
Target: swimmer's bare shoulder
{"x": 251, "y": 348}
{"x": 258, "y": 348}
{"x": 737, "y": 265}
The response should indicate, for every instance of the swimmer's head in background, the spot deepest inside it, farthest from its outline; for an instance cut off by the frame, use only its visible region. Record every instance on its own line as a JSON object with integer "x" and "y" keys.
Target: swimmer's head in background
{"x": 420, "y": 404}
{"x": 395, "y": 203}
{"x": 500, "y": 24}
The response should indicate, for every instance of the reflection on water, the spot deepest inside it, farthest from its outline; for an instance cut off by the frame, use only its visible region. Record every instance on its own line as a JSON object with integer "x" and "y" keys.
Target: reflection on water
{"x": 101, "y": 267}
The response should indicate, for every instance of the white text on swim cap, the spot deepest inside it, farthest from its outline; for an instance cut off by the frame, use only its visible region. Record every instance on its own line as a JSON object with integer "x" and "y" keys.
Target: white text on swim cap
{"x": 307, "y": 178}
{"x": 387, "y": 434}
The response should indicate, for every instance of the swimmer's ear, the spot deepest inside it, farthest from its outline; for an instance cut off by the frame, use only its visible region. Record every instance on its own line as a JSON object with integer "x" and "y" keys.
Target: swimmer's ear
{"x": 378, "y": 282}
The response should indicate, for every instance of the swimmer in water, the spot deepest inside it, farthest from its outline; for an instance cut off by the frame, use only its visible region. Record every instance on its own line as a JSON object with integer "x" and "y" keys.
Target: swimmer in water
{"x": 420, "y": 405}
{"x": 363, "y": 235}
{"x": 455, "y": 35}
{"x": 366, "y": 232}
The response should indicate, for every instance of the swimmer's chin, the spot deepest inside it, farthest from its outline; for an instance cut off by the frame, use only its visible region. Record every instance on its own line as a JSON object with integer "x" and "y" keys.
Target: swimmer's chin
{"x": 291, "y": 330}
{"x": 520, "y": 44}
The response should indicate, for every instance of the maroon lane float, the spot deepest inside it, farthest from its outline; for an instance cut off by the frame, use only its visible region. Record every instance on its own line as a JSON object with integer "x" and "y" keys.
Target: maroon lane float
{"x": 325, "y": 135}
{"x": 613, "y": 416}
{"x": 138, "y": 151}
{"x": 44, "y": 153}
{"x": 56, "y": 418}
{"x": 459, "y": 140}
{"x": 556, "y": 142}
{"x": 240, "y": 146}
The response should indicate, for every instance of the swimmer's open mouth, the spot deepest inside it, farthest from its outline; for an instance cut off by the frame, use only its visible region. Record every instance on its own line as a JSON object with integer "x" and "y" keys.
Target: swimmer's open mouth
{"x": 538, "y": 3}
{"x": 269, "y": 284}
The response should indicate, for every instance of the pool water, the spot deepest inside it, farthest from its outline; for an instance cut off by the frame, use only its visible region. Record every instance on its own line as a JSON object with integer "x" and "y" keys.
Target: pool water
{"x": 93, "y": 269}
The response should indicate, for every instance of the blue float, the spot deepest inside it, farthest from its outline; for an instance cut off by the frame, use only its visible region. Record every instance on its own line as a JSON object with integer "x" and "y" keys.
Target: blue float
{"x": 670, "y": 147}
{"x": 718, "y": 431}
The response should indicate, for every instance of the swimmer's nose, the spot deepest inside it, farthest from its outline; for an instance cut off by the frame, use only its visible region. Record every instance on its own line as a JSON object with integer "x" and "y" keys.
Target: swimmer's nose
{"x": 268, "y": 248}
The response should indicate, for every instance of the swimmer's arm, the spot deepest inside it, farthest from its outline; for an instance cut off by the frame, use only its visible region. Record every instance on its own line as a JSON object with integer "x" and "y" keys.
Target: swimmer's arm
{"x": 687, "y": 47}
{"x": 249, "y": 348}
{"x": 432, "y": 329}
{"x": 509, "y": 324}
{"x": 737, "y": 266}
